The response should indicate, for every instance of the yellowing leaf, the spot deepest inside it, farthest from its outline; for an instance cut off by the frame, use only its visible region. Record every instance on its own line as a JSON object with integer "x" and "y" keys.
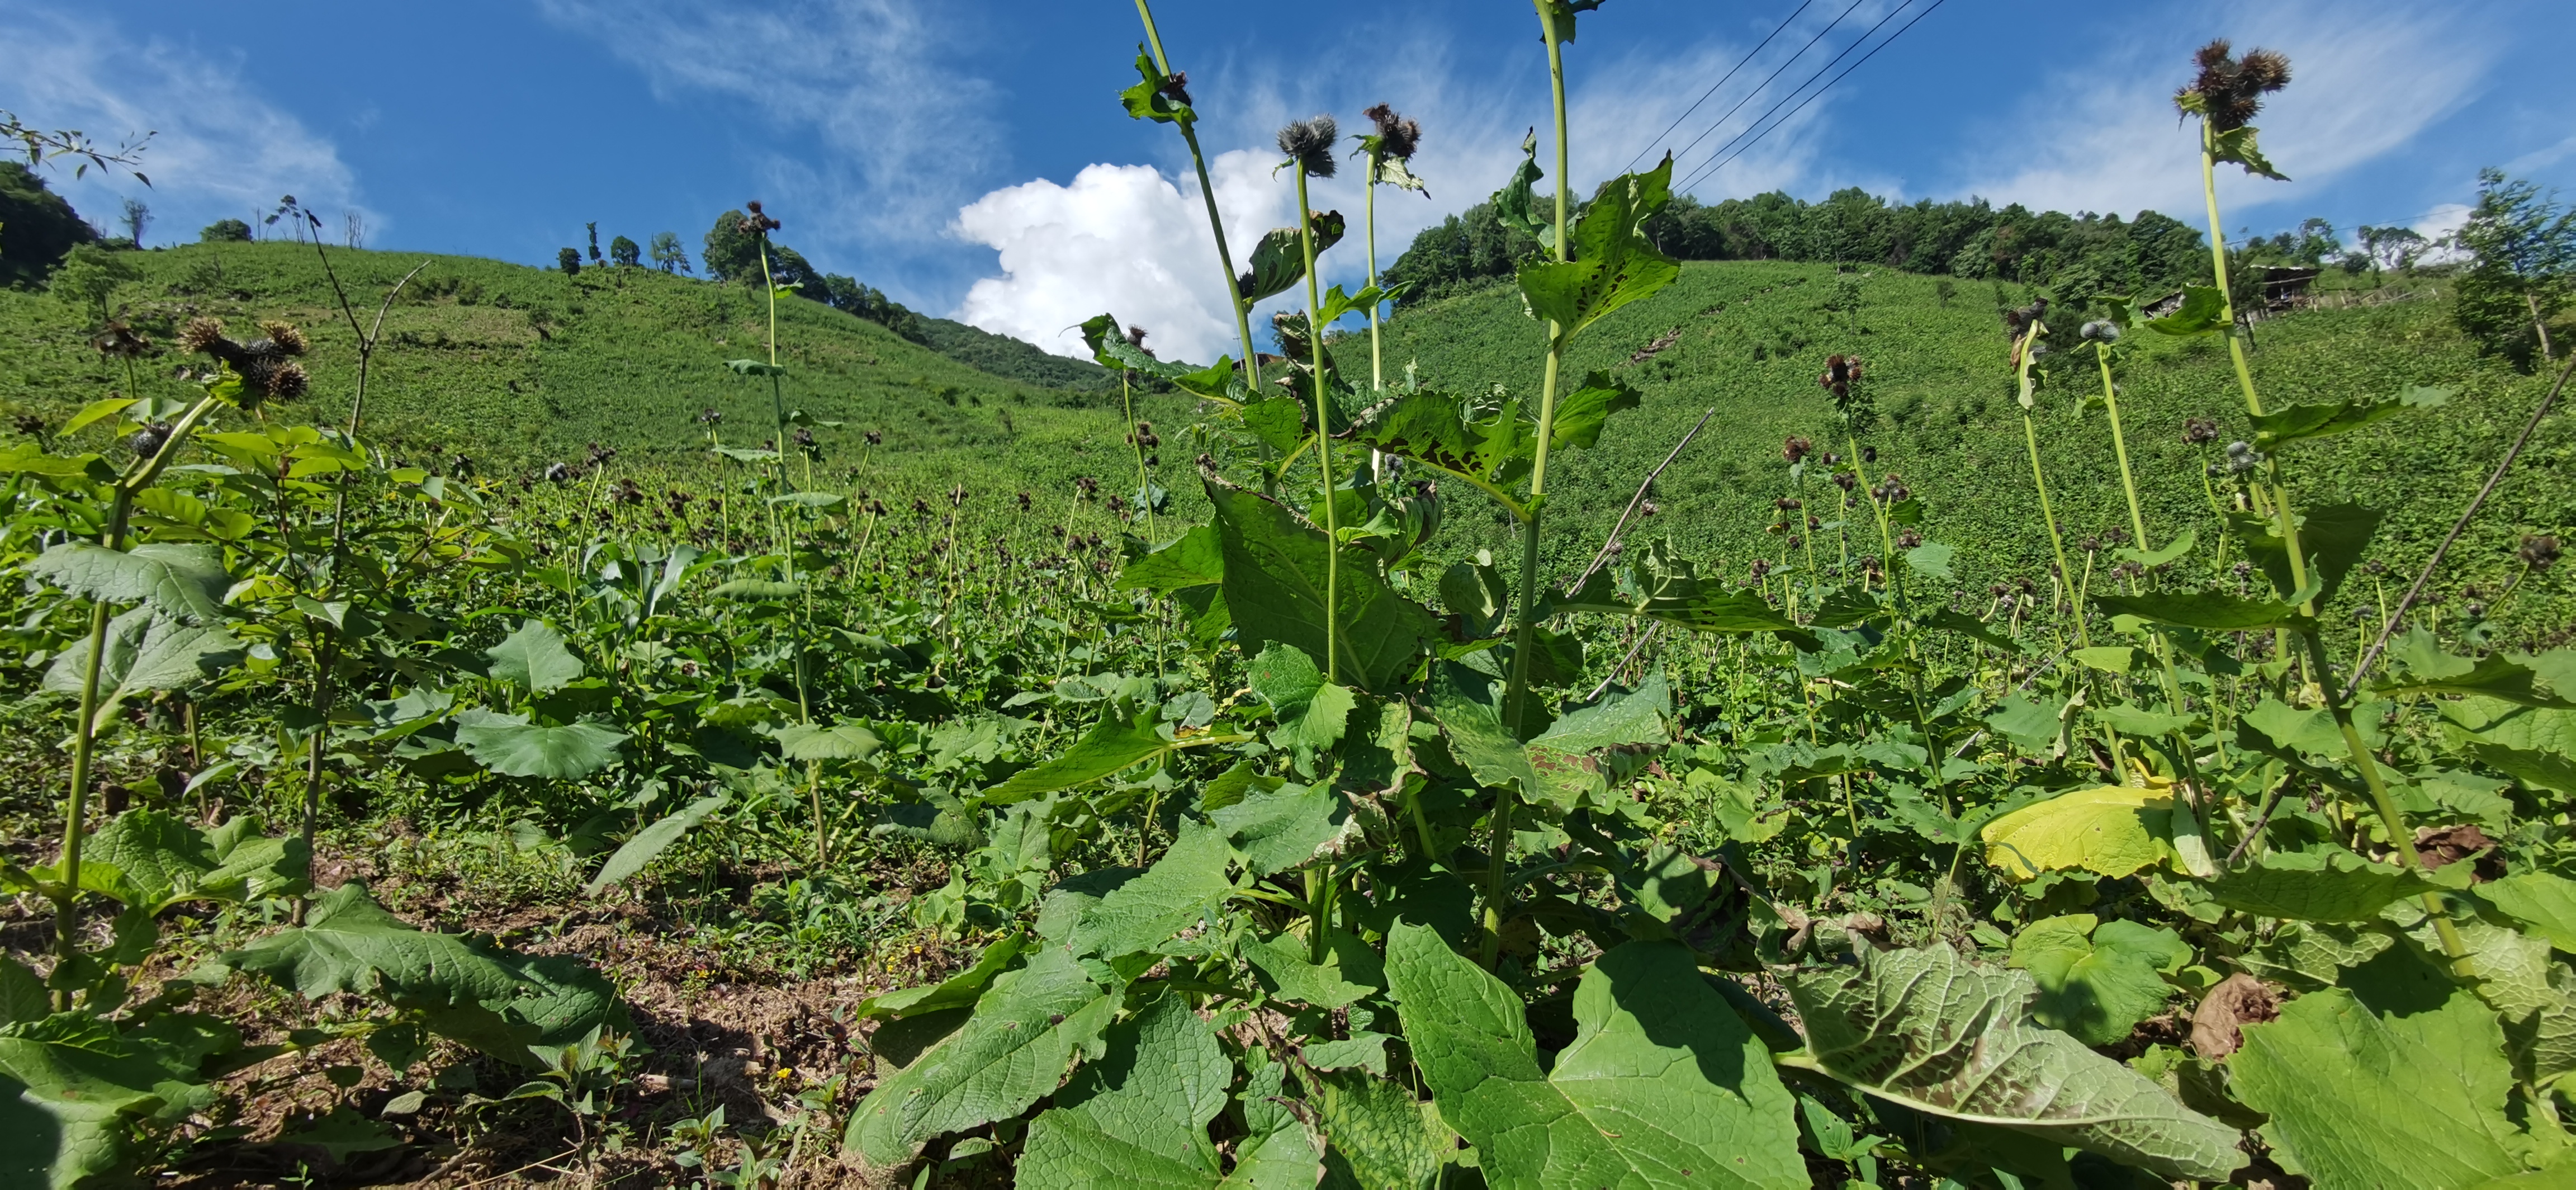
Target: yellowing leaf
{"x": 2111, "y": 831}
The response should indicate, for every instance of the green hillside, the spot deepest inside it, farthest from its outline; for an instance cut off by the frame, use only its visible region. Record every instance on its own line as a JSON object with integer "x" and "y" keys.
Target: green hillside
{"x": 1753, "y": 337}
{"x": 515, "y": 366}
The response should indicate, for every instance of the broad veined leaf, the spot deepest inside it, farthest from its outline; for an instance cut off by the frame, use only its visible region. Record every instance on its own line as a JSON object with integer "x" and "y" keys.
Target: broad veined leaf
{"x": 1026, "y": 1029}
{"x": 2332, "y": 539}
{"x": 534, "y": 656}
{"x": 492, "y": 999}
{"x": 957, "y": 991}
{"x": 1139, "y": 1117}
{"x": 145, "y": 651}
{"x": 1193, "y": 559}
{"x": 186, "y": 582}
{"x": 1276, "y": 830}
{"x": 2542, "y": 902}
{"x": 27, "y": 458}
{"x": 1276, "y": 572}
{"x": 1173, "y": 895}
{"x": 2203, "y": 309}
{"x": 514, "y": 747}
{"x": 2171, "y": 550}
{"x": 2209, "y": 611}
{"x": 1321, "y": 985}
{"x": 1380, "y": 1136}
{"x": 1111, "y": 745}
{"x": 67, "y": 1103}
{"x": 2097, "y": 979}
{"x": 756, "y": 590}
{"x": 1667, "y": 588}
{"x": 1147, "y": 100}
{"x": 1312, "y": 712}
{"x": 2428, "y": 669}
{"x": 837, "y": 741}
{"x": 1279, "y": 257}
{"x": 640, "y": 848}
{"x": 1110, "y": 348}
{"x": 167, "y": 862}
{"x": 1581, "y": 414}
{"x": 1432, "y": 428}
{"x": 2237, "y": 145}
{"x": 2315, "y": 886}
{"x": 2361, "y": 1099}
{"x": 2113, "y": 830}
{"x": 1512, "y": 203}
{"x": 1663, "y": 1086}
{"x": 1614, "y": 263}
{"x": 2340, "y": 417}
{"x": 1930, "y": 1030}
{"x": 2031, "y": 723}
{"x": 2534, "y": 997}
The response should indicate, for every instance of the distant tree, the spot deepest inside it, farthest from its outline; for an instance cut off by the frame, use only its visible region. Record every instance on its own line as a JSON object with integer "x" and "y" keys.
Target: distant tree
{"x": 36, "y": 226}
{"x": 225, "y": 231}
{"x": 2522, "y": 248}
{"x": 595, "y": 258}
{"x": 2389, "y": 247}
{"x": 569, "y": 260}
{"x": 2317, "y": 242}
{"x": 731, "y": 254}
{"x": 133, "y": 218}
{"x": 623, "y": 252}
{"x": 668, "y": 253}
{"x": 89, "y": 275}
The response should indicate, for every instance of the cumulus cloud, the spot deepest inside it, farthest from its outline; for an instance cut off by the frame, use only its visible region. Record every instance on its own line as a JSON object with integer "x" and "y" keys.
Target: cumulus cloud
{"x": 2102, "y": 136}
{"x": 218, "y": 151}
{"x": 869, "y": 77}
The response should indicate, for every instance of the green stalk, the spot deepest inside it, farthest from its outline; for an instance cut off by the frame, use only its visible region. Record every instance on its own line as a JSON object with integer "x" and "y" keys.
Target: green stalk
{"x": 1145, "y": 493}
{"x": 2138, "y": 527}
{"x": 2392, "y": 819}
{"x": 1377, "y": 362}
{"x": 1207, "y": 194}
{"x": 1323, "y": 442}
{"x": 1525, "y": 633}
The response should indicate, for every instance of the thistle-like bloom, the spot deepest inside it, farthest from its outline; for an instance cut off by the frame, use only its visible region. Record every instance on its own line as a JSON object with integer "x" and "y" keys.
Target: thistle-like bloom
{"x": 1397, "y": 137}
{"x": 1309, "y": 143}
{"x": 2229, "y": 91}
{"x": 2539, "y": 553}
{"x": 1796, "y": 448}
{"x": 264, "y": 364}
{"x": 756, "y": 223}
{"x": 2199, "y": 431}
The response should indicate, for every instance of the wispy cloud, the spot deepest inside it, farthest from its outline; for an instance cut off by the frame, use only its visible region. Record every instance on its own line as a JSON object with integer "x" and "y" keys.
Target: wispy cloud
{"x": 901, "y": 125}
{"x": 220, "y": 150}
{"x": 2101, "y": 134}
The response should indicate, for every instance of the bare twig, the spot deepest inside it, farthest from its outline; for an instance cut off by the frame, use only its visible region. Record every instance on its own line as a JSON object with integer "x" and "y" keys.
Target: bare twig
{"x": 2260, "y": 821}
{"x": 2398, "y": 615}
{"x": 1613, "y": 675}
{"x": 1612, "y": 541}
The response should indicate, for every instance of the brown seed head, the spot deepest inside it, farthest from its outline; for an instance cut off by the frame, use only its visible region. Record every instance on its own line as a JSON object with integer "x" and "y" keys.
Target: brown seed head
{"x": 1309, "y": 143}
{"x": 288, "y": 339}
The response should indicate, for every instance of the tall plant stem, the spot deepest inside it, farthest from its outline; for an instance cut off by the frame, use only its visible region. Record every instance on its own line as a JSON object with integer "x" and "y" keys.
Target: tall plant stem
{"x": 2138, "y": 527}
{"x": 1323, "y": 442}
{"x": 1377, "y": 359}
{"x": 2057, "y": 543}
{"x": 1525, "y": 633}
{"x": 1145, "y": 495}
{"x": 1207, "y": 194}
{"x": 85, "y": 731}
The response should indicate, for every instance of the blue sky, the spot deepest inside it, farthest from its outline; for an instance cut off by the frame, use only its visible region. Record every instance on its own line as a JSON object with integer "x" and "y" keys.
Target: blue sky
{"x": 968, "y": 156}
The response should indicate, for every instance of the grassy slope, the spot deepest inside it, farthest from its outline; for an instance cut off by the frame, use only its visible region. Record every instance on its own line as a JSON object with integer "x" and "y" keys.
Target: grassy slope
{"x": 625, "y": 359}
{"x": 1754, "y": 338}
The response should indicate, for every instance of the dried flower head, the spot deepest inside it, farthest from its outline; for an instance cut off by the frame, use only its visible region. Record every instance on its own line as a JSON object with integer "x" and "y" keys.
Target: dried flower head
{"x": 2199, "y": 431}
{"x": 1309, "y": 144}
{"x": 1136, "y": 339}
{"x": 2539, "y": 552}
{"x": 2018, "y": 322}
{"x": 201, "y": 334}
{"x": 1908, "y": 540}
{"x": 284, "y": 335}
{"x": 1796, "y": 448}
{"x": 1176, "y": 87}
{"x": 875, "y": 437}
{"x": 119, "y": 340}
{"x": 757, "y": 222}
{"x": 1397, "y": 137}
{"x": 1839, "y": 374}
{"x": 2228, "y": 91}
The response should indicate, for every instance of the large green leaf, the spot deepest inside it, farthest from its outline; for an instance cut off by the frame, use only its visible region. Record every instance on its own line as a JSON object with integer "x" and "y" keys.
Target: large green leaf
{"x": 2292, "y": 423}
{"x": 2429, "y": 669}
{"x": 1664, "y": 587}
{"x": 168, "y": 862}
{"x": 488, "y": 998}
{"x": 1312, "y": 712}
{"x": 1279, "y": 257}
{"x": 2209, "y": 611}
{"x": 2203, "y": 309}
{"x": 514, "y": 747}
{"x": 1113, "y": 744}
{"x": 1139, "y": 1117}
{"x": 1187, "y": 882}
{"x": 1016, "y": 1047}
{"x": 2112, "y": 830}
{"x": 2361, "y": 1099}
{"x": 1275, "y": 579}
{"x": 2097, "y": 979}
{"x": 2534, "y": 996}
{"x": 1663, "y": 1085}
{"x": 1146, "y": 100}
{"x": 1276, "y": 830}
{"x": 2542, "y": 902}
{"x": 836, "y": 741}
{"x": 185, "y": 581}
{"x": 957, "y": 991}
{"x": 534, "y": 657}
{"x": 2332, "y": 539}
{"x": 145, "y": 651}
{"x": 1193, "y": 559}
{"x": 1614, "y": 263}
{"x": 2315, "y": 886}
{"x": 1433, "y": 428}
{"x": 640, "y": 848}
{"x": 67, "y": 1101}
{"x": 1380, "y": 1135}
{"x": 1930, "y": 1030}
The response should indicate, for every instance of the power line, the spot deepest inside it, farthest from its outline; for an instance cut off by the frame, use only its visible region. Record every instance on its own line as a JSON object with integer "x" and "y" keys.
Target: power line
{"x": 1756, "y": 128}
{"x": 1784, "y": 65}
{"x": 1811, "y": 97}
{"x": 1803, "y": 6}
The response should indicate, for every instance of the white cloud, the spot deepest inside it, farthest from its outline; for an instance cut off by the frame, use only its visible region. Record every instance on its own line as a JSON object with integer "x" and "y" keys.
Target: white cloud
{"x": 2101, "y": 135}
{"x": 218, "y": 151}
{"x": 900, "y": 123}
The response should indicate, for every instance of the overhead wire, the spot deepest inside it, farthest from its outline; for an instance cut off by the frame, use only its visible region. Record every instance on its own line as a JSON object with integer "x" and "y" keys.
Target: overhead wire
{"x": 1766, "y": 82}
{"x": 1731, "y": 72}
{"x": 1740, "y": 150}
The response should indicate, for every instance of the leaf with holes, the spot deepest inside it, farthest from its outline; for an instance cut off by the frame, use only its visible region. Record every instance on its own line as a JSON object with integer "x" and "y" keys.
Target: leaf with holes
{"x": 1614, "y": 263}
